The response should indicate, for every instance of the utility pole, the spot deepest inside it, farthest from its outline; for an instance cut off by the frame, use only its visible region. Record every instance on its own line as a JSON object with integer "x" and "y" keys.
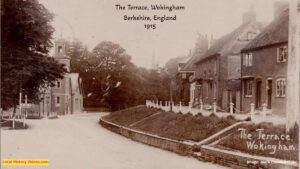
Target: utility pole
{"x": 171, "y": 95}
{"x": 293, "y": 70}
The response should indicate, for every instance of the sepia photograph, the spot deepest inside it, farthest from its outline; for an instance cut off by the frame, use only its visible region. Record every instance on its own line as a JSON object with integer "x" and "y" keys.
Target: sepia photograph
{"x": 150, "y": 84}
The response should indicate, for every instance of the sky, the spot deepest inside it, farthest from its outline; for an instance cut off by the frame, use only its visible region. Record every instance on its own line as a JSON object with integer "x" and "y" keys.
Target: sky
{"x": 94, "y": 21}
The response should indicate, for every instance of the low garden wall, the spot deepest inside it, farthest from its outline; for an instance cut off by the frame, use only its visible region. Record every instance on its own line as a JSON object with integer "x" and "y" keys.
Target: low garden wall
{"x": 179, "y": 147}
{"x": 205, "y": 150}
{"x": 243, "y": 161}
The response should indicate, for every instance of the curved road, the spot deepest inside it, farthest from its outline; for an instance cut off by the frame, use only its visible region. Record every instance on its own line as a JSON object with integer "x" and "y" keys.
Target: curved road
{"x": 79, "y": 142}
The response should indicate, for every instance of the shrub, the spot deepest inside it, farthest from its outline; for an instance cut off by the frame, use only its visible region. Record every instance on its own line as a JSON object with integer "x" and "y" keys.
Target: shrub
{"x": 248, "y": 119}
{"x": 196, "y": 148}
{"x": 230, "y": 117}
{"x": 199, "y": 114}
{"x": 212, "y": 115}
{"x": 189, "y": 113}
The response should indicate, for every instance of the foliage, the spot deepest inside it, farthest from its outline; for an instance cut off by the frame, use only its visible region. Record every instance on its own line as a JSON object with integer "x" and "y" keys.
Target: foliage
{"x": 26, "y": 35}
{"x": 77, "y": 51}
{"x": 111, "y": 80}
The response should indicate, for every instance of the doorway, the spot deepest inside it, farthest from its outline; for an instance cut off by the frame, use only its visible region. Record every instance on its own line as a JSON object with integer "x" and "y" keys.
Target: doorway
{"x": 269, "y": 93}
{"x": 258, "y": 94}
{"x": 232, "y": 99}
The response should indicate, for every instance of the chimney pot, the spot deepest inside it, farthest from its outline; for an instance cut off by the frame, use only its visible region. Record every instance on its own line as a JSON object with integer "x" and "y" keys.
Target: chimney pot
{"x": 249, "y": 16}
{"x": 279, "y": 7}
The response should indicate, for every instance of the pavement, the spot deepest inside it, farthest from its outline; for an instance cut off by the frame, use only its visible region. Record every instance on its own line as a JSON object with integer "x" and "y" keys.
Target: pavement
{"x": 79, "y": 142}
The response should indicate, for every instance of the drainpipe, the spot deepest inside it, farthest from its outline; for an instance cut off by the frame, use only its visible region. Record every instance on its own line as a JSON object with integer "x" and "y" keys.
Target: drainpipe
{"x": 241, "y": 83}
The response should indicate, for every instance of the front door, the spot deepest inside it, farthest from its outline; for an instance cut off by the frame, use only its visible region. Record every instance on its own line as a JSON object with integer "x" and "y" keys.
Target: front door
{"x": 258, "y": 94}
{"x": 269, "y": 93}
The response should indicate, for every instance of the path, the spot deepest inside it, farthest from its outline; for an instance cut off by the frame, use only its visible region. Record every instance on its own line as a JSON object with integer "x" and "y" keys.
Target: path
{"x": 78, "y": 142}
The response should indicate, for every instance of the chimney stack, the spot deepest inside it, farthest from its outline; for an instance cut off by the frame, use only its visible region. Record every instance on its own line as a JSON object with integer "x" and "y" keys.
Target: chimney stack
{"x": 249, "y": 16}
{"x": 279, "y": 7}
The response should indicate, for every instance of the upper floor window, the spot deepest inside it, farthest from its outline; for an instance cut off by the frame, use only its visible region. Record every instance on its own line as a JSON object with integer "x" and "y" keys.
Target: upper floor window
{"x": 280, "y": 87}
{"x": 59, "y": 49}
{"x": 247, "y": 59}
{"x": 248, "y": 88}
{"x": 183, "y": 75}
{"x": 58, "y": 84}
{"x": 282, "y": 54}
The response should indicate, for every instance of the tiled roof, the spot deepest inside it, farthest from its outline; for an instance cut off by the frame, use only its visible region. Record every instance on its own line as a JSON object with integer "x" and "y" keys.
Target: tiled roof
{"x": 276, "y": 32}
{"x": 190, "y": 64}
{"x": 228, "y": 44}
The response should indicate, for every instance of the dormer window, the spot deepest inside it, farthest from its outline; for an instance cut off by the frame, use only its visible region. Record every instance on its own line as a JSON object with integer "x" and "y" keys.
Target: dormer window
{"x": 282, "y": 54}
{"x": 250, "y": 35}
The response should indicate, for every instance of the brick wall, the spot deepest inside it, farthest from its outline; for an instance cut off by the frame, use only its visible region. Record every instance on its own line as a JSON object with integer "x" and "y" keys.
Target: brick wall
{"x": 152, "y": 140}
{"x": 236, "y": 160}
{"x": 265, "y": 67}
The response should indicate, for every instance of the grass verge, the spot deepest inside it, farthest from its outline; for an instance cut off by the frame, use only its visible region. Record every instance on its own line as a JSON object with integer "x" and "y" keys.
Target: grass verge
{"x": 129, "y": 116}
{"x": 171, "y": 125}
{"x": 271, "y": 141}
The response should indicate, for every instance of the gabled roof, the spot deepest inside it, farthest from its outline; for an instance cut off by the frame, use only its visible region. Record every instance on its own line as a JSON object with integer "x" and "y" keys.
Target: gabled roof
{"x": 275, "y": 33}
{"x": 190, "y": 64}
{"x": 172, "y": 64}
{"x": 201, "y": 46}
{"x": 185, "y": 59}
{"x": 228, "y": 44}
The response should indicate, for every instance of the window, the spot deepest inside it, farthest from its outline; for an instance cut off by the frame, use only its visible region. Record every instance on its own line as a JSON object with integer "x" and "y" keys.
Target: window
{"x": 282, "y": 54}
{"x": 58, "y": 84}
{"x": 215, "y": 68}
{"x": 59, "y": 49}
{"x": 183, "y": 75}
{"x": 57, "y": 101}
{"x": 280, "y": 87}
{"x": 248, "y": 59}
{"x": 248, "y": 86}
{"x": 250, "y": 35}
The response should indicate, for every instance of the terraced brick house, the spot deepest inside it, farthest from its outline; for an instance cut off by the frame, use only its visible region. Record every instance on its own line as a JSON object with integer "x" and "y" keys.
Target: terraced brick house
{"x": 264, "y": 67}
{"x": 189, "y": 70}
{"x": 218, "y": 70}
{"x": 182, "y": 80}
